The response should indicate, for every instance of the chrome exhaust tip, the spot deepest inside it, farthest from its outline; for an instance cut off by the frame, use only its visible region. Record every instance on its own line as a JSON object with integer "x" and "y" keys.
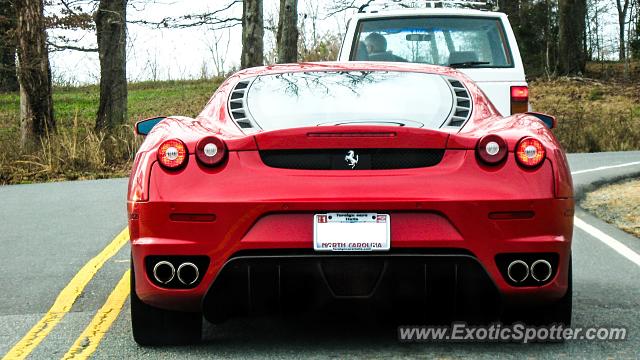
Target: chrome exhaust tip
{"x": 164, "y": 272}
{"x": 188, "y": 273}
{"x": 541, "y": 270}
{"x": 518, "y": 271}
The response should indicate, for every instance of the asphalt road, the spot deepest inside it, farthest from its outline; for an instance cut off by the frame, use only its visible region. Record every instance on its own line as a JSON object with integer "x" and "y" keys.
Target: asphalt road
{"x": 49, "y": 231}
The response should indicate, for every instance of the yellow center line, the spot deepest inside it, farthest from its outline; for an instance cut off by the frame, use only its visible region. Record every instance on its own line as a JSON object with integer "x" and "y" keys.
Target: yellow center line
{"x": 87, "y": 343}
{"x": 65, "y": 300}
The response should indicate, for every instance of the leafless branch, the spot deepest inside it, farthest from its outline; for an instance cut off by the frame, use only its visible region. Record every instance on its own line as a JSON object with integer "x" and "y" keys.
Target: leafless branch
{"x": 214, "y": 18}
{"x": 344, "y": 5}
{"x": 57, "y": 47}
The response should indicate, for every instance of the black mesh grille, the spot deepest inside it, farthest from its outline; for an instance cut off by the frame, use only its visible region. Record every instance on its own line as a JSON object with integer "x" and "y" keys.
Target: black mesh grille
{"x": 337, "y": 159}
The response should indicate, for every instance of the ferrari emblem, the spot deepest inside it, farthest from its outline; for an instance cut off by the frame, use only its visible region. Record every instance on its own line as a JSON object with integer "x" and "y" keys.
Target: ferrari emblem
{"x": 351, "y": 159}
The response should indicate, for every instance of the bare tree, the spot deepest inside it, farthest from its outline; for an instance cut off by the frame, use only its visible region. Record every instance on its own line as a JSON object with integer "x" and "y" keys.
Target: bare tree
{"x": 315, "y": 44}
{"x": 593, "y": 28}
{"x": 8, "y": 76}
{"x": 311, "y": 16}
{"x": 216, "y": 19}
{"x": 288, "y": 31}
{"x": 69, "y": 15}
{"x": 34, "y": 73}
{"x": 571, "y": 22}
{"x": 512, "y": 9}
{"x": 635, "y": 33}
{"x": 340, "y": 6}
{"x": 153, "y": 66}
{"x": 622, "y": 8}
{"x": 252, "y": 34}
{"x": 549, "y": 45}
{"x": 218, "y": 48}
{"x": 271, "y": 38}
{"x": 111, "y": 31}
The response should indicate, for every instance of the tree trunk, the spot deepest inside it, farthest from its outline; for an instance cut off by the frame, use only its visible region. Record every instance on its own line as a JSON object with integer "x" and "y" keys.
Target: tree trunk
{"x": 547, "y": 39}
{"x": 596, "y": 30}
{"x": 8, "y": 76}
{"x": 571, "y": 57}
{"x": 111, "y": 30}
{"x": 635, "y": 44}
{"x": 288, "y": 32}
{"x": 34, "y": 73}
{"x": 512, "y": 9}
{"x": 252, "y": 34}
{"x": 622, "y": 16}
{"x": 622, "y": 53}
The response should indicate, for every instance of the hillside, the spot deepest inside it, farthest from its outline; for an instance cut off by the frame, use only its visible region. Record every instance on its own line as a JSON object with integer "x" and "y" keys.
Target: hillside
{"x": 592, "y": 116}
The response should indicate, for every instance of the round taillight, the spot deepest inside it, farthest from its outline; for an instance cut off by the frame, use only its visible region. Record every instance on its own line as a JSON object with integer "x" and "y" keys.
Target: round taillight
{"x": 530, "y": 152}
{"x": 210, "y": 151}
{"x": 172, "y": 154}
{"x": 492, "y": 149}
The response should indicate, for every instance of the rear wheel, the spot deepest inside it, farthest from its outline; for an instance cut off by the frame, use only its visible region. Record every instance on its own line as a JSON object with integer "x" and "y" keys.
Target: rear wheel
{"x": 560, "y": 312}
{"x": 152, "y": 326}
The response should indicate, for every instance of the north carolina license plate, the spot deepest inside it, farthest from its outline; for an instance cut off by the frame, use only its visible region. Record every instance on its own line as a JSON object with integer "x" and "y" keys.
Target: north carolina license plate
{"x": 351, "y": 232}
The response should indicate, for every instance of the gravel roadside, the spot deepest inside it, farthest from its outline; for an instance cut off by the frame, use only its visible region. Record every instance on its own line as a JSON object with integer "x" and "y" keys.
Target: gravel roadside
{"x": 617, "y": 204}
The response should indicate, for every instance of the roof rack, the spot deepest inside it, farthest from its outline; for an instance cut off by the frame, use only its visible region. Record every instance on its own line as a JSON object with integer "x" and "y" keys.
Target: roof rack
{"x": 374, "y": 6}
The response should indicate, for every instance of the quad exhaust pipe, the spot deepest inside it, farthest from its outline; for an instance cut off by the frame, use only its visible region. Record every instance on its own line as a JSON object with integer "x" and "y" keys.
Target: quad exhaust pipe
{"x": 540, "y": 271}
{"x": 188, "y": 273}
{"x": 164, "y": 272}
{"x": 518, "y": 271}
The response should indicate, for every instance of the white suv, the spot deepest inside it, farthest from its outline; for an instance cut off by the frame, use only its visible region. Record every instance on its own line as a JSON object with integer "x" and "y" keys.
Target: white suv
{"x": 479, "y": 43}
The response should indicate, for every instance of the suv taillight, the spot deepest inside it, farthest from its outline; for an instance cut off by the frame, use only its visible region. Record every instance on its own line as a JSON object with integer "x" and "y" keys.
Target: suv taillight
{"x": 519, "y": 99}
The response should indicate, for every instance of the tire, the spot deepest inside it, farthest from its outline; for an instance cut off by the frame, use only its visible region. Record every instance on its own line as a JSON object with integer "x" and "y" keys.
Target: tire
{"x": 558, "y": 313}
{"x": 156, "y": 327}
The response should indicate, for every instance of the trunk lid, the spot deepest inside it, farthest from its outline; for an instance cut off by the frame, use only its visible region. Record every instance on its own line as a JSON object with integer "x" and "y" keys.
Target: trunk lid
{"x": 351, "y": 137}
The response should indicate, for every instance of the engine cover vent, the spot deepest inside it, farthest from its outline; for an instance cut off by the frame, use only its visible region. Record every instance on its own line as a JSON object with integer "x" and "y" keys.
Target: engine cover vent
{"x": 237, "y": 105}
{"x": 461, "y": 111}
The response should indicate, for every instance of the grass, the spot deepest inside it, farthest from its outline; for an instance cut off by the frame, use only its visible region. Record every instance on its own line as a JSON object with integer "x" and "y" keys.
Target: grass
{"x": 75, "y": 151}
{"x": 146, "y": 99}
{"x": 592, "y": 116}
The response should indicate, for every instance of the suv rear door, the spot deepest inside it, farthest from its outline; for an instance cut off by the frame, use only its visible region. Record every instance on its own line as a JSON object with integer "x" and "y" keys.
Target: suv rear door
{"x": 480, "y": 44}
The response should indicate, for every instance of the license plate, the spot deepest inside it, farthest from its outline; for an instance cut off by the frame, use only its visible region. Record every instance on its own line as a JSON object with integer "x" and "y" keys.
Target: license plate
{"x": 351, "y": 232}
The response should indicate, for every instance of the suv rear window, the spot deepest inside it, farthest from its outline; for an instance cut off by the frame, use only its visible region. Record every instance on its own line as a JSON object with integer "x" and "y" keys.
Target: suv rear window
{"x": 442, "y": 40}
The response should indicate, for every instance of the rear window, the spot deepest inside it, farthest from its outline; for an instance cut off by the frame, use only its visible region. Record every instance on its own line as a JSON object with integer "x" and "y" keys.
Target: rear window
{"x": 470, "y": 41}
{"x": 301, "y": 99}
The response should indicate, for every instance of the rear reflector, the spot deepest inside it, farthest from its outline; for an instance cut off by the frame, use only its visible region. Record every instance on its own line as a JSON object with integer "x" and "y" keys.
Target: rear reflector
{"x": 193, "y": 217}
{"x": 511, "y": 215}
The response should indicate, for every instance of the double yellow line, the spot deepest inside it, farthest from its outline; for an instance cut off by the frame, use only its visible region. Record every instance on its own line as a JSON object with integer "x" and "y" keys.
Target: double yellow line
{"x": 86, "y": 344}
{"x": 90, "y": 338}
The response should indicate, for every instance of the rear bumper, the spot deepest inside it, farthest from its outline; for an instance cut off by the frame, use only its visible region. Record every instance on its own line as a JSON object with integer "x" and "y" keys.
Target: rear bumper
{"x": 445, "y": 208}
{"x": 434, "y": 285}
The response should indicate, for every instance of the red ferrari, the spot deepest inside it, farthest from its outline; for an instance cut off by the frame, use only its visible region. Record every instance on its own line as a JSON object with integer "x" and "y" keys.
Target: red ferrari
{"x": 395, "y": 187}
